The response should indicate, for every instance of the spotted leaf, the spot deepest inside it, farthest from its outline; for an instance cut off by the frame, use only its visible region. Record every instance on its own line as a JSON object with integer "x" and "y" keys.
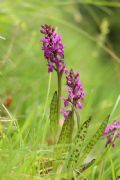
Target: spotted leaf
{"x": 78, "y": 142}
{"x": 94, "y": 139}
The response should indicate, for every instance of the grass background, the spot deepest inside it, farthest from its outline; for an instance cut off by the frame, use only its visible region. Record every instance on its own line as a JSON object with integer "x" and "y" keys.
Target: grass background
{"x": 90, "y": 31}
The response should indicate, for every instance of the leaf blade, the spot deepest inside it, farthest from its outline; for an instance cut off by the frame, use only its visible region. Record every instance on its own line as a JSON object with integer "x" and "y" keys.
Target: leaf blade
{"x": 79, "y": 139}
{"x": 94, "y": 139}
{"x": 54, "y": 114}
{"x": 65, "y": 137}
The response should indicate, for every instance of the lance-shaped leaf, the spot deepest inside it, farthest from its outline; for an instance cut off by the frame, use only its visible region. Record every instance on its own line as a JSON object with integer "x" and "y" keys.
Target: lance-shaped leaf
{"x": 78, "y": 142}
{"x": 67, "y": 129}
{"x": 54, "y": 114}
{"x": 85, "y": 167}
{"x": 65, "y": 137}
{"x": 94, "y": 139}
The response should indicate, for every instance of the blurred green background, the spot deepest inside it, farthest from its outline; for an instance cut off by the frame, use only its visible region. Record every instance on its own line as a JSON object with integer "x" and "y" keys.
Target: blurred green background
{"x": 91, "y": 36}
{"x": 91, "y": 39}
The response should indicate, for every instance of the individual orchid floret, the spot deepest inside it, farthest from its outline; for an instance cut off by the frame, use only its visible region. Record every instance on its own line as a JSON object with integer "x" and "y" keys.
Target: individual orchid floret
{"x": 112, "y": 133}
{"x": 65, "y": 113}
{"x": 75, "y": 91}
{"x": 53, "y": 49}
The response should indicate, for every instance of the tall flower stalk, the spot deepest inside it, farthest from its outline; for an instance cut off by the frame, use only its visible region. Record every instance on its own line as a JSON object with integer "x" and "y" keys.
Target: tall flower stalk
{"x": 54, "y": 54}
{"x": 59, "y": 93}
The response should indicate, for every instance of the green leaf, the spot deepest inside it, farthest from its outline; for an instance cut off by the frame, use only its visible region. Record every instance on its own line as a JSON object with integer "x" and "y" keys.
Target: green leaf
{"x": 67, "y": 129}
{"x": 94, "y": 139}
{"x": 78, "y": 142}
{"x": 64, "y": 141}
{"x": 65, "y": 137}
{"x": 54, "y": 114}
{"x": 85, "y": 167}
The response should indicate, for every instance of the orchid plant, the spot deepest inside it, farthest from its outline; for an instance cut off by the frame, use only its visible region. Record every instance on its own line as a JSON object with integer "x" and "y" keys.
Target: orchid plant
{"x": 70, "y": 152}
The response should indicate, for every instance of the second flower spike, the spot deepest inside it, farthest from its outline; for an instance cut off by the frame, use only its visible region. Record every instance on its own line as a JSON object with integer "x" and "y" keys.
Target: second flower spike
{"x": 75, "y": 91}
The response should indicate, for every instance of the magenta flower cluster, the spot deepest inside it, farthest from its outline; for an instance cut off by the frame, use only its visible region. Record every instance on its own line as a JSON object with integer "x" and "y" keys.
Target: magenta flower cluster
{"x": 111, "y": 133}
{"x": 53, "y": 49}
{"x": 75, "y": 92}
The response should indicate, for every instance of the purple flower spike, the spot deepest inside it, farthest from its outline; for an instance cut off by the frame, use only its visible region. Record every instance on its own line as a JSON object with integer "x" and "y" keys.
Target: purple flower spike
{"x": 111, "y": 133}
{"x": 75, "y": 89}
{"x": 53, "y": 49}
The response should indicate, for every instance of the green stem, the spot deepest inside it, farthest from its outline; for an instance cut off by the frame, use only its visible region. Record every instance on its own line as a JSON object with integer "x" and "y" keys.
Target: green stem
{"x": 78, "y": 118}
{"x": 59, "y": 94}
